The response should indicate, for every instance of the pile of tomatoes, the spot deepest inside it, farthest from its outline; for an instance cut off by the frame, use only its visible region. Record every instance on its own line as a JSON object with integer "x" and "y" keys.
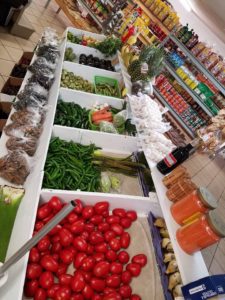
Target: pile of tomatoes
{"x": 93, "y": 242}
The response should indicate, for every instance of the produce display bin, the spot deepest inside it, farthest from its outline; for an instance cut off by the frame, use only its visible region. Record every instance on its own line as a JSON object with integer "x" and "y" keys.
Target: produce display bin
{"x": 108, "y": 81}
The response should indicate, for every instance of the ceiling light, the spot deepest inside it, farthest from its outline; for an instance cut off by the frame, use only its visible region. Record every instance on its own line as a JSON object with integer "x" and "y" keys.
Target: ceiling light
{"x": 186, "y": 4}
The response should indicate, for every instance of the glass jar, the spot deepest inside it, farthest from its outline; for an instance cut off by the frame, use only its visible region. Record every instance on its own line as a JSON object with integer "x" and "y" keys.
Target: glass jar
{"x": 194, "y": 204}
{"x": 201, "y": 233}
{"x": 182, "y": 188}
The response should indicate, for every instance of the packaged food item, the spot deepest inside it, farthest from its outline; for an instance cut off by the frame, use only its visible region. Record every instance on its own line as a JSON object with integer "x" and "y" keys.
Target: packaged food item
{"x": 198, "y": 202}
{"x": 14, "y": 167}
{"x": 174, "y": 176}
{"x": 211, "y": 61}
{"x": 201, "y": 233}
{"x": 218, "y": 68}
{"x": 17, "y": 130}
{"x": 28, "y": 145}
{"x": 196, "y": 50}
{"x": 204, "y": 54}
{"x": 182, "y": 188}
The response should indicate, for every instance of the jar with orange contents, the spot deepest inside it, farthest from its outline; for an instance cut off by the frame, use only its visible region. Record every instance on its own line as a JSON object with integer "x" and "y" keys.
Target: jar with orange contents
{"x": 197, "y": 202}
{"x": 201, "y": 233}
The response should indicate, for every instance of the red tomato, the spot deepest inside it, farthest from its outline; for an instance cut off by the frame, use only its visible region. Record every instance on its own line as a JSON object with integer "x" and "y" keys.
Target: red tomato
{"x": 49, "y": 264}
{"x": 131, "y": 214}
{"x": 55, "y": 230}
{"x": 125, "y": 222}
{"x": 113, "y": 281}
{"x": 88, "y": 263}
{"x": 111, "y": 255}
{"x": 98, "y": 256}
{"x": 103, "y": 227}
{"x": 66, "y": 256}
{"x": 117, "y": 229}
{"x": 113, "y": 220}
{"x": 56, "y": 247}
{"x": 112, "y": 296}
{"x": 43, "y": 212}
{"x": 30, "y": 288}
{"x": 44, "y": 244}
{"x": 55, "y": 238}
{"x": 66, "y": 237}
{"x": 61, "y": 269}
{"x": 101, "y": 207}
{"x": 90, "y": 249}
{"x": 115, "y": 244}
{"x": 135, "y": 297}
{"x": 116, "y": 268}
{"x": 126, "y": 277}
{"x": 140, "y": 259}
{"x": 43, "y": 253}
{"x": 55, "y": 203}
{"x": 125, "y": 291}
{"x": 46, "y": 280}
{"x": 96, "y": 238}
{"x": 38, "y": 225}
{"x": 108, "y": 290}
{"x": 33, "y": 271}
{"x": 88, "y": 212}
{"x": 97, "y": 297}
{"x": 109, "y": 235}
{"x": 134, "y": 269}
{"x": 77, "y": 227}
{"x": 87, "y": 292}
{"x": 34, "y": 255}
{"x": 85, "y": 235}
{"x": 123, "y": 257}
{"x": 77, "y": 262}
{"x": 55, "y": 256}
{"x": 48, "y": 218}
{"x": 63, "y": 293}
{"x": 102, "y": 247}
{"x": 52, "y": 291}
{"x": 40, "y": 294}
{"x": 76, "y": 297}
{"x": 90, "y": 227}
{"x": 72, "y": 217}
{"x": 97, "y": 219}
{"x": 125, "y": 240}
{"x": 80, "y": 244}
{"x": 120, "y": 212}
{"x": 65, "y": 279}
{"x": 101, "y": 269}
{"x": 105, "y": 214}
{"x": 78, "y": 282}
{"x": 87, "y": 275}
{"x": 98, "y": 284}
{"x": 79, "y": 207}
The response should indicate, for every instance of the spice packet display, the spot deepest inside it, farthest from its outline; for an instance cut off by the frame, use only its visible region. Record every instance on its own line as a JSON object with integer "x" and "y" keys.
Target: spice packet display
{"x": 14, "y": 167}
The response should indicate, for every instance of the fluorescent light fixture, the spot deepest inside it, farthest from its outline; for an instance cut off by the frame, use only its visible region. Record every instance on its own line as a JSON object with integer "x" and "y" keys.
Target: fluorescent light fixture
{"x": 186, "y": 4}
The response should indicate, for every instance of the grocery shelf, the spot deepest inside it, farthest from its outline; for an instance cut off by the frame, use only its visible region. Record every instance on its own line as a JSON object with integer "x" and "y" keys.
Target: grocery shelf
{"x": 188, "y": 89}
{"x": 198, "y": 64}
{"x": 191, "y": 267}
{"x": 91, "y": 13}
{"x": 174, "y": 113}
{"x": 152, "y": 17}
{"x": 142, "y": 39}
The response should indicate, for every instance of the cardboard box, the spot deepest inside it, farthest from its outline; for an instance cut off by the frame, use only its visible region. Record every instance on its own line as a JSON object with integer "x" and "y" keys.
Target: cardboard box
{"x": 26, "y": 56}
{"x": 22, "y": 68}
{"x": 12, "y": 81}
{"x": 5, "y": 108}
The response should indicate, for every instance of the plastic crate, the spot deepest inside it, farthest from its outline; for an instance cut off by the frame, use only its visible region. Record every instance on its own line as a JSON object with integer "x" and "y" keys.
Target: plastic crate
{"x": 110, "y": 81}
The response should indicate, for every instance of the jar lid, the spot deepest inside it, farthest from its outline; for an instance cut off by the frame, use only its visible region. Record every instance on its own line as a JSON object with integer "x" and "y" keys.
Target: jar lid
{"x": 216, "y": 223}
{"x": 207, "y": 198}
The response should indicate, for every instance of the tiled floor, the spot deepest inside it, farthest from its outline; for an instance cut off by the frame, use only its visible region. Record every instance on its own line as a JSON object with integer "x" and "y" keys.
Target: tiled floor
{"x": 12, "y": 48}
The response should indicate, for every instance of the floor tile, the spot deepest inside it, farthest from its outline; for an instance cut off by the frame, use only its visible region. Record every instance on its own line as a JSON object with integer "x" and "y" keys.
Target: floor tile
{"x": 4, "y": 54}
{"x": 14, "y": 53}
{"x": 35, "y": 37}
{"x": 2, "y": 82}
{"x": 9, "y": 40}
{"x": 26, "y": 45}
{"x": 6, "y": 67}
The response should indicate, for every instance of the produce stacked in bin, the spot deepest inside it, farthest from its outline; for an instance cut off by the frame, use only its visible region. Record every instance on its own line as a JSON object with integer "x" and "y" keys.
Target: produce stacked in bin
{"x": 85, "y": 256}
{"x": 27, "y": 121}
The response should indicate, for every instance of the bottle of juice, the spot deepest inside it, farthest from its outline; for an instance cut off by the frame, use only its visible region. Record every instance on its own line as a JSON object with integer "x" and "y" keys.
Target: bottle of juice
{"x": 186, "y": 37}
{"x": 182, "y": 31}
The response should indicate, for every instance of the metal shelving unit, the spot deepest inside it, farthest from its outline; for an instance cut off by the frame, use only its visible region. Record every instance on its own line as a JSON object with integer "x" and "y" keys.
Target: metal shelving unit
{"x": 198, "y": 64}
{"x": 91, "y": 13}
{"x": 174, "y": 113}
{"x": 188, "y": 89}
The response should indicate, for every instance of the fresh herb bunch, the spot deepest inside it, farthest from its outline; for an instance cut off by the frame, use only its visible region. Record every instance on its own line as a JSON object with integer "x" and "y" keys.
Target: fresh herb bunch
{"x": 109, "y": 46}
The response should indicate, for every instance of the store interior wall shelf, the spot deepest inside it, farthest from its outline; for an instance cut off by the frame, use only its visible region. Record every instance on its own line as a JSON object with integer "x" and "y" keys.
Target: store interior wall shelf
{"x": 187, "y": 88}
{"x": 192, "y": 267}
{"x": 198, "y": 64}
{"x": 174, "y": 113}
{"x": 91, "y": 13}
{"x": 151, "y": 16}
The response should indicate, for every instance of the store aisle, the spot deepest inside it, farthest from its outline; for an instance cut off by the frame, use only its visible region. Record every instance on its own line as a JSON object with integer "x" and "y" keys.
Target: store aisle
{"x": 12, "y": 47}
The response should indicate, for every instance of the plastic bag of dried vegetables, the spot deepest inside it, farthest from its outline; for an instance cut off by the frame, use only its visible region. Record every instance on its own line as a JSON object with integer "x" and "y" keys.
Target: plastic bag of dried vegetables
{"x": 26, "y": 144}
{"x": 14, "y": 167}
